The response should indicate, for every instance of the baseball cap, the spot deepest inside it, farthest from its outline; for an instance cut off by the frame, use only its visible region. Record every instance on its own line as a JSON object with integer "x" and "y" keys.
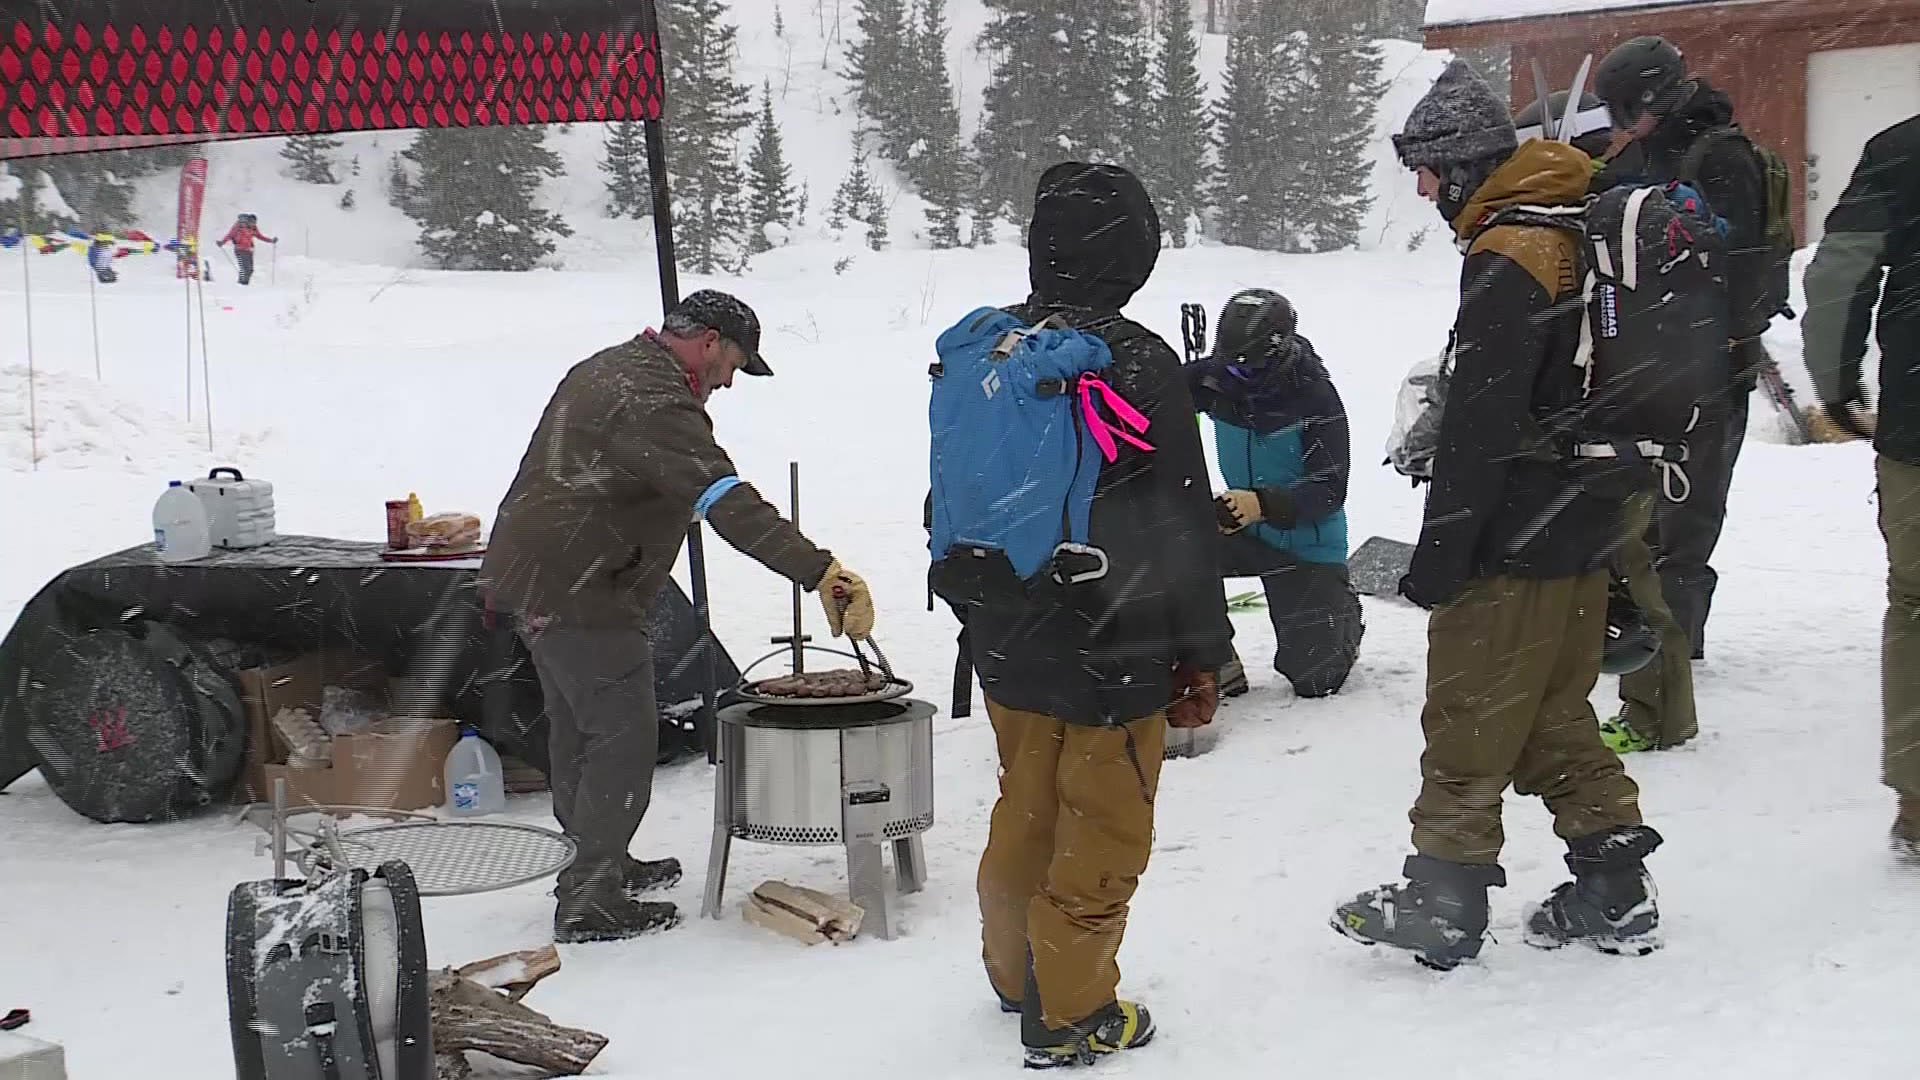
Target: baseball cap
{"x": 732, "y": 319}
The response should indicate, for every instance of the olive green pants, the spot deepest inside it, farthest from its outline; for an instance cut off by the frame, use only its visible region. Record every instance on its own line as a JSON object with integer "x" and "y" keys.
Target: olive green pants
{"x": 1068, "y": 842}
{"x": 1900, "y": 635}
{"x": 1657, "y": 700}
{"x": 1509, "y": 667}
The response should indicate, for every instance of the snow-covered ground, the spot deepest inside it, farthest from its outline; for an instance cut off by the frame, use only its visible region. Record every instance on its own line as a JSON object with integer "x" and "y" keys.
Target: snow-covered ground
{"x": 348, "y": 379}
{"x": 1789, "y": 950}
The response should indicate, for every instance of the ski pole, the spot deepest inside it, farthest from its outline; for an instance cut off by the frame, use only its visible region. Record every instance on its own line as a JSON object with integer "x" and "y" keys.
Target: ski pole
{"x": 1193, "y": 330}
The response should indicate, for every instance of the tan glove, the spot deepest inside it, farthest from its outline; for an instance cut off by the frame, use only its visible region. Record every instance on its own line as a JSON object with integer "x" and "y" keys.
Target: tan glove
{"x": 848, "y": 604}
{"x": 1196, "y": 695}
{"x": 1237, "y": 509}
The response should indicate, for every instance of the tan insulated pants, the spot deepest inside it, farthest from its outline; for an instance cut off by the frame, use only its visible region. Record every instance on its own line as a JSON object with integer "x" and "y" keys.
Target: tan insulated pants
{"x": 1069, "y": 840}
{"x": 1509, "y": 667}
{"x": 1657, "y": 700}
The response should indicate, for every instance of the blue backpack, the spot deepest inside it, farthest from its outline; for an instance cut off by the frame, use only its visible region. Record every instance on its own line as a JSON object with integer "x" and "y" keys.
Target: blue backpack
{"x": 1018, "y": 439}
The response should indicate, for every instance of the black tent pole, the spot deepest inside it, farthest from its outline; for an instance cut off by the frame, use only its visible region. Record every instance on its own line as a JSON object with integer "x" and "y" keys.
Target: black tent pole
{"x": 670, "y": 296}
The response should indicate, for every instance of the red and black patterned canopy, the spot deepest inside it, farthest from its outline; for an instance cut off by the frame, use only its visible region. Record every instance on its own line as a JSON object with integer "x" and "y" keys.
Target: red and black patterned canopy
{"x": 103, "y": 74}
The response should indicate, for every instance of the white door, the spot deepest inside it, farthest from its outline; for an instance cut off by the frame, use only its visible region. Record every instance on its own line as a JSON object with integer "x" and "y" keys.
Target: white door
{"x": 1852, "y": 95}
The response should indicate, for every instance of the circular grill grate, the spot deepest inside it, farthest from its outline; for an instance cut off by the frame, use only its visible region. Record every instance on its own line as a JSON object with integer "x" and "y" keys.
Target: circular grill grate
{"x": 454, "y": 858}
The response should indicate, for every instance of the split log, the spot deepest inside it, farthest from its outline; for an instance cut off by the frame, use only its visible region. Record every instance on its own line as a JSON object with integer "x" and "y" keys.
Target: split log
{"x": 561, "y": 1051}
{"x": 477, "y": 1007}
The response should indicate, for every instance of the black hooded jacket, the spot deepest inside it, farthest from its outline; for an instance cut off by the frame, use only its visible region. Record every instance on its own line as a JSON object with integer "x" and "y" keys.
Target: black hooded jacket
{"x": 1105, "y": 652}
{"x": 1730, "y": 175}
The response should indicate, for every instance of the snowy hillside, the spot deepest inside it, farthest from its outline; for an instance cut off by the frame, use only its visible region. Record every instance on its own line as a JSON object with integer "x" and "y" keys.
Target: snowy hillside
{"x": 812, "y": 104}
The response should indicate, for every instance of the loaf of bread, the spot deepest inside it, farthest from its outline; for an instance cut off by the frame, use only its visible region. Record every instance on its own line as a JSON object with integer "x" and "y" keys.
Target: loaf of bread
{"x": 447, "y": 530}
{"x": 821, "y": 684}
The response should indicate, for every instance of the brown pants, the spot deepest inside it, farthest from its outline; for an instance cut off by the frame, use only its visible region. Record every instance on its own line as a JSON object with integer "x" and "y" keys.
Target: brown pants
{"x": 1509, "y": 667}
{"x": 1069, "y": 841}
{"x": 1657, "y": 700}
{"x": 1900, "y": 635}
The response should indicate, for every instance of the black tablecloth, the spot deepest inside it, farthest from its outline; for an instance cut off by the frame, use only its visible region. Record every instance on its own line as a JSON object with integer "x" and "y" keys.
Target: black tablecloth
{"x": 302, "y": 593}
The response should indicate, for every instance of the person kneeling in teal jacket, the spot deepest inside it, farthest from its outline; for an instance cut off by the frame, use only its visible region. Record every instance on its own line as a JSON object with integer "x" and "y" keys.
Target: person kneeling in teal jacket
{"x": 1281, "y": 432}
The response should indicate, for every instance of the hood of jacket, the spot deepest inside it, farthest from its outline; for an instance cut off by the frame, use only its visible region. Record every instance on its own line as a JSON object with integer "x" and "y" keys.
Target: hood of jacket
{"x": 1094, "y": 238}
{"x": 1540, "y": 173}
{"x": 1702, "y": 108}
{"x": 1267, "y": 399}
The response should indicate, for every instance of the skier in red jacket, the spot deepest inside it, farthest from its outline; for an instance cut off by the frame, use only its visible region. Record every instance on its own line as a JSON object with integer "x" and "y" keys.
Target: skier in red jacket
{"x": 246, "y": 229}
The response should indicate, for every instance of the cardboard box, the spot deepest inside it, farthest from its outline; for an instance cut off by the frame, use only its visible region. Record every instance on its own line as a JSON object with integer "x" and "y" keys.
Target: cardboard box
{"x": 394, "y": 765}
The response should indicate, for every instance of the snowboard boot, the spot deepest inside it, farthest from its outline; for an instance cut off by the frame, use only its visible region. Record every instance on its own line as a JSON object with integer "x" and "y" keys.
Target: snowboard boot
{"x": 1610, "y": 903}
{"x": 1622, "y": 739}
{"x": 644, "y": 876}
{"x": 1906, "y": 831}
{"x": 1122, "y": 1025}
{"x": 1233, "y": 678}
{"x": 1439, "y": 914}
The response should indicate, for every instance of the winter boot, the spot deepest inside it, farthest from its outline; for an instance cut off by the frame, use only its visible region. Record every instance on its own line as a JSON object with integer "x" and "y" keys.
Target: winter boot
{"x": 643, "y": 876}
{"x": 1610, "y": 903}
{"x": 1439, "y": 915}
{"x": 1906, "y": 831}
{"x": 1621, "y": 738}
{"x": 1233, "y": 678}
{"x": 1121, "y": 1025}
{"x": 601, "y": 911}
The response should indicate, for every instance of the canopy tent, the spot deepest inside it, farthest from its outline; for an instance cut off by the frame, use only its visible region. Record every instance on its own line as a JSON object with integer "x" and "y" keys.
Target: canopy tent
{"x": 82, "y": 75}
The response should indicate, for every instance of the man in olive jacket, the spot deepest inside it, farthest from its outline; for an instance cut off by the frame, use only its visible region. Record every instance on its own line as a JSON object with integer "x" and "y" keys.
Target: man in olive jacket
{"x": 623, "y": 459}
{"x": 1512, "y": 563}
{"x": 1875, "y": 229}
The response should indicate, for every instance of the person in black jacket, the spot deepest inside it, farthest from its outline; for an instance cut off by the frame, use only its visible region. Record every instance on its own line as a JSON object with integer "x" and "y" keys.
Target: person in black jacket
{"x": 1082, "y": 681}
{"x": 1281, "y": 433}
{"x": 1512, "y": 563}
{"x": 1686, "y": 129}
{"x": 1875, "y": 229}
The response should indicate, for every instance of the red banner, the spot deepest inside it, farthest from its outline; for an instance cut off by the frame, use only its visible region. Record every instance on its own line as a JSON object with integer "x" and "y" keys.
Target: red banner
{"x": 193, "y": 190}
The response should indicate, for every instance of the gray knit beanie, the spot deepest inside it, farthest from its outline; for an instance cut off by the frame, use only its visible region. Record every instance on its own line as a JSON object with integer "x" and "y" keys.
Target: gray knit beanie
{"x": 1460, "y": 120}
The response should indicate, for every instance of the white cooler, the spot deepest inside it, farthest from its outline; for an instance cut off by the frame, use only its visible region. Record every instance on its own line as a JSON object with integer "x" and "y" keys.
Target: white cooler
{"x": 239, "y": 511}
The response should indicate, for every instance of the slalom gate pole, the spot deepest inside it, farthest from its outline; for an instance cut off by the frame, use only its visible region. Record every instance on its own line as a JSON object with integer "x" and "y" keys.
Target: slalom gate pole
{"x": 206, "y": 373}
{"x": 186, "y": 283}
{"x": 26, "y": 291}
{"x": 93, "y": 300}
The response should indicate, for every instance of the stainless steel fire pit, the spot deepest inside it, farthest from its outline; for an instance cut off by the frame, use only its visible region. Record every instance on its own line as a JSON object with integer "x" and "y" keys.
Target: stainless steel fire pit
{"x": 857, "y": 773}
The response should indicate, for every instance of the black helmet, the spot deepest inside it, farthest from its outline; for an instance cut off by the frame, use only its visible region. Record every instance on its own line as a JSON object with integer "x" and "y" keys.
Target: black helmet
{"x": 1637, "y": 76}
{"x": 1251, "y": 323}
{"x": 1631, "y": 643}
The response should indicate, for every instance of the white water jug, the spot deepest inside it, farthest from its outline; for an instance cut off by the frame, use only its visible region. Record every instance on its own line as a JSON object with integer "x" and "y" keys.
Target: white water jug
{"x": 180, "y": 529}
{"x": 475, "y": 783}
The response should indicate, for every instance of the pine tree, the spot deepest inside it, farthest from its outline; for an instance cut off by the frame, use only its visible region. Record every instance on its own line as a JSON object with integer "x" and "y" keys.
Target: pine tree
{"x": 1181, "y": 129}
{"x": 477, "y": 199}
{"x": 985, "y": 211}
{"x": 878, "y": 66}
{"x": 855, "y": 199}
{"x": 399, "y": 184}
{"x": 876, "y": 214}
{"x": 769, "y": 177}
{"x": 629, "y": 188}
{"x": 1338, "y": 121}
{"x": 939, "y": 167}
{"x": 709, "y": 112}
{"x": 309, "y": 156}
{"x": 1258, "y": 187}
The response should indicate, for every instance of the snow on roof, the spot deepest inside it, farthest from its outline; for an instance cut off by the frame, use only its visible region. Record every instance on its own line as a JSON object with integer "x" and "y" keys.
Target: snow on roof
{"x": 1453, "y": 12}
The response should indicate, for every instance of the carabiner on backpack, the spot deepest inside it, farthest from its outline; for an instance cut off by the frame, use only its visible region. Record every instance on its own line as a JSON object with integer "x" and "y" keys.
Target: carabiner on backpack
{"x": 1075, "y": 564}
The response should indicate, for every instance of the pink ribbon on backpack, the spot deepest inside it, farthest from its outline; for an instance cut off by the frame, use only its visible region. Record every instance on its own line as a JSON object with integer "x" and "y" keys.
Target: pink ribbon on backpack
{"x": 1103, "y": 429}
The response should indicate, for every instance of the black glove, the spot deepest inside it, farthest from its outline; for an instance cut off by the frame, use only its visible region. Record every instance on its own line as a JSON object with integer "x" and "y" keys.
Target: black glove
{"x": 1418, "y": 596}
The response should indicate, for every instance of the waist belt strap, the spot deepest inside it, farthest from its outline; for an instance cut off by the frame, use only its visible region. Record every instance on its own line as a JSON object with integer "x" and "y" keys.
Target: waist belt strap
{"x": 1668, "y": 460}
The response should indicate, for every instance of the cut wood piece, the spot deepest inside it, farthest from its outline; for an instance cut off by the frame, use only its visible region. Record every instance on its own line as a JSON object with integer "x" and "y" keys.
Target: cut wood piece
{"x": 781, "y": 921}
{"x": 562, "y": 1051}
{"x": 830, "y": 917}
{"x": 516, "y": 973}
